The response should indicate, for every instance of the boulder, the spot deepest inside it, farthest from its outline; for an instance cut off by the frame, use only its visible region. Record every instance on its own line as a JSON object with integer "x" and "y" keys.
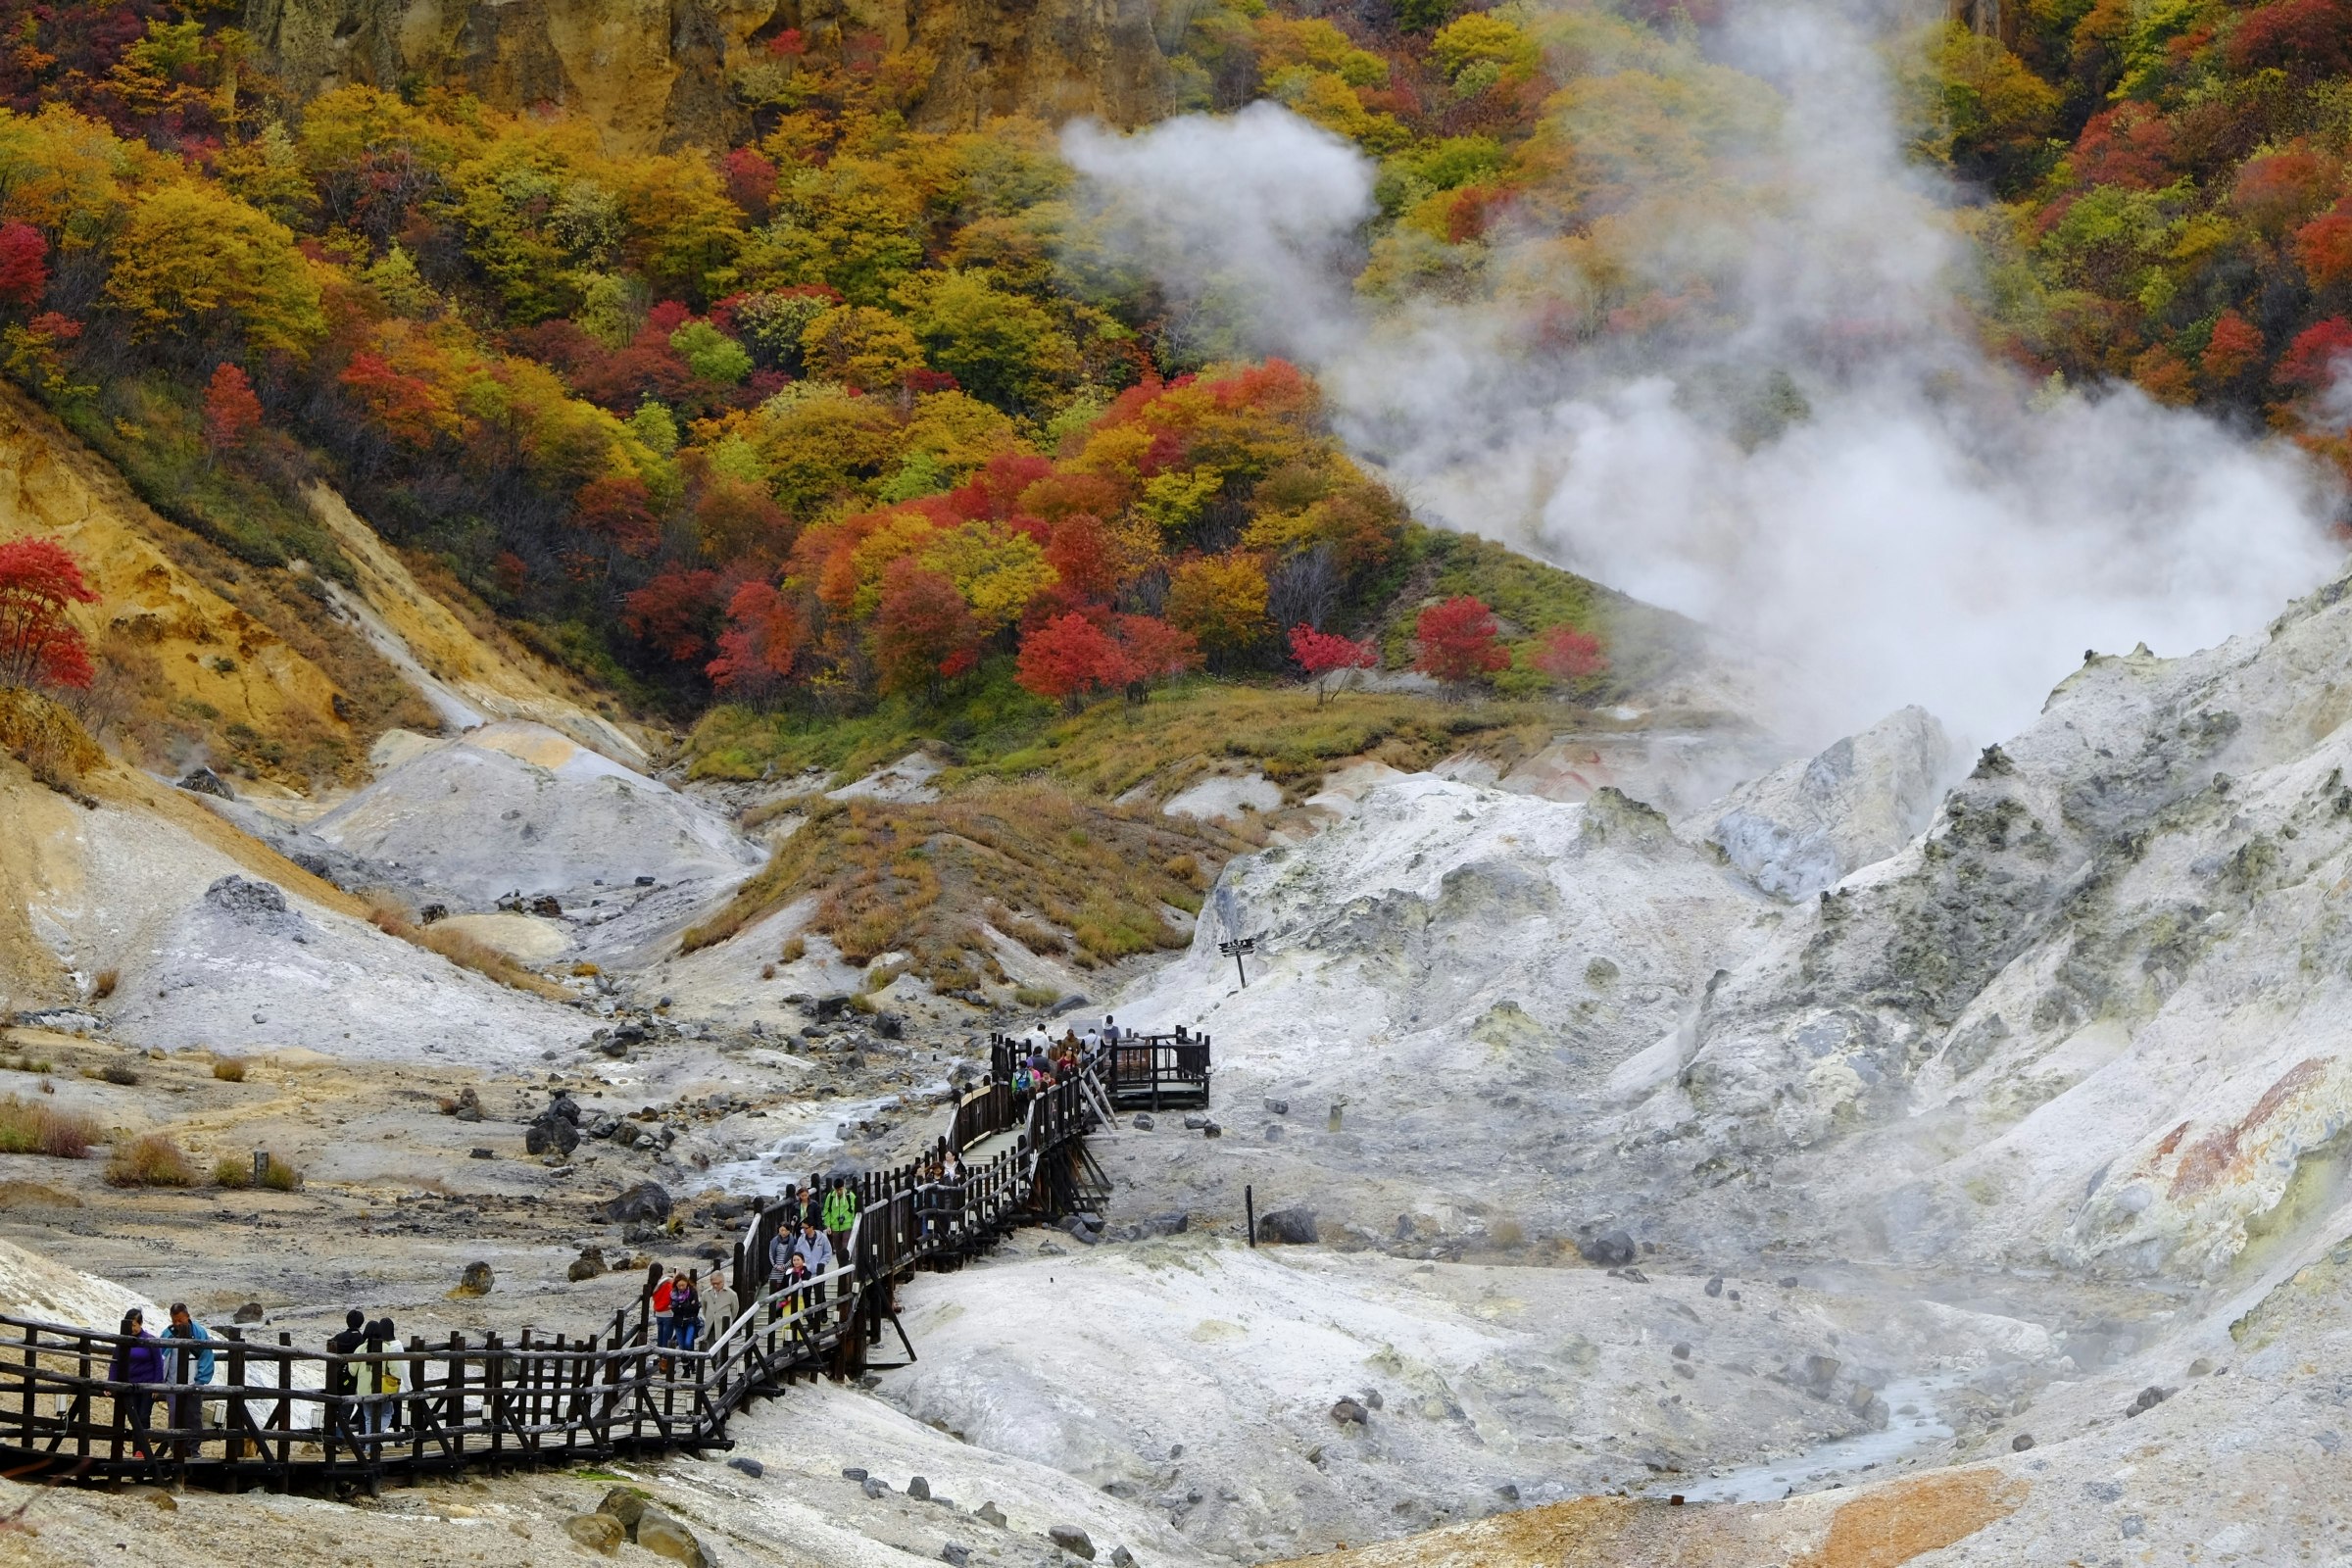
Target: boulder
{"x": 1715, "y": 1286}
{"x": 625, "y": 1505}
{"x": 749, "y": 1466}
{"x": 204, "y": 781}
{"x": 1294, "y": 1227}
{"x": 1173, "y": 1223}
{"x": 990, "y": 1513}
{"x": 876, "y": 1487}
{"x": 1072, "y": 1540}
{"x": 643, "y": 1203}
{"x": 1347, "y": 1413}
{"x": 1121, "y": 1557}
{"x": 2146, "y": 1399}
{"x": 2020, "y": 1443}
{"x": 1608, "y": 1249}
{"x": 598, "y": 1531}
{"x": 955, "y": 1556}
{"x": 476, "y": 1280}
{"x": 664, "y": 1536}
{"x": 588, "y": 1266}
{"x": 852, "y": 1472}
{"x": 250, "y": 1313}
{"x": 1144, "y": 1124}
{"x": 919, "y": 1489}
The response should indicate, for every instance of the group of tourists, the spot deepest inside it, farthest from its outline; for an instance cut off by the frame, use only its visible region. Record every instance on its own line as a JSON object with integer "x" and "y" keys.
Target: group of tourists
{"x": 1040, "y": 1061}
{"x": 180, "y": 1359}
{"x": 689, "y": 1312}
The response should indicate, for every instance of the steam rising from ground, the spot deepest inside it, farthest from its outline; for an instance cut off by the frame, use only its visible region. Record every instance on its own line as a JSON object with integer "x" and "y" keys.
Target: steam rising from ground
{"x": 1831, "y": 473}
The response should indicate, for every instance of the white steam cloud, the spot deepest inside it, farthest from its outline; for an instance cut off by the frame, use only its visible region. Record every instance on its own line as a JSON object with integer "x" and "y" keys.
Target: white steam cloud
{"x": 1920, "y": 524}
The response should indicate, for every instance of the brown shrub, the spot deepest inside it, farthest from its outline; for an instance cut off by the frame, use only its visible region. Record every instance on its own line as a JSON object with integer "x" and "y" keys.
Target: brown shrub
{"x": 230, "y": 1069}
{"x": 149, "y": 1161}
{"x": 230, "y": 1171}
{"x": 41, "y": 1130}
{"x": 47, "y": 739}
{"x": 104, "y": 986}
{"x": 280, "y": 1177}
{"x": 795, "y": 950}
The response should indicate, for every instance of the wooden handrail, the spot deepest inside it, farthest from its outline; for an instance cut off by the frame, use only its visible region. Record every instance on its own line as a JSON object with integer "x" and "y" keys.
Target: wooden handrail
{"x": 537, "y": 1398}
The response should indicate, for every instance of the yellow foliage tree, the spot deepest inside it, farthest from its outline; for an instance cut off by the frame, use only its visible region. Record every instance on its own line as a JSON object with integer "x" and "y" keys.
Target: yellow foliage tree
{"x": 1221, "y": 599}
{"x": 194, "y": 260}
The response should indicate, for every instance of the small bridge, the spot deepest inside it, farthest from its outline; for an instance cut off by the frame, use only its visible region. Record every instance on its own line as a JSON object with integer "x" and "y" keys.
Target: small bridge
{"x": 267, "y": 1420}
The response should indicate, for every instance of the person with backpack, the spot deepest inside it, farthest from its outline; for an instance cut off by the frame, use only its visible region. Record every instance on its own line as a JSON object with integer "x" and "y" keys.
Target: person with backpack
{"x": 342, "y": 1378}
{"x": 137, "y": 1366}
{"x": 379, "y": 1381}
{"x": 666, "y": 1327}
{"x": 191, "y": 1368}
{"x": 686, "y": 1307}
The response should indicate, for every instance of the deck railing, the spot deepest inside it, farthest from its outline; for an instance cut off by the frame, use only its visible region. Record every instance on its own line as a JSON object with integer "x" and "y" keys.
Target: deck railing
{"x": 276, "y": 1413}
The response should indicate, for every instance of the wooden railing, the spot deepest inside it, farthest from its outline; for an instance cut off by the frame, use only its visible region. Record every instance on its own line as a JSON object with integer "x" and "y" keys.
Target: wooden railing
{"x": 276, "y": 1415}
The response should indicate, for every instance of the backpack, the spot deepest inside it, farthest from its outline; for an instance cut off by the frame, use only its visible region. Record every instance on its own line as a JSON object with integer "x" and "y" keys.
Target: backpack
{"x": 661, "y": 1297}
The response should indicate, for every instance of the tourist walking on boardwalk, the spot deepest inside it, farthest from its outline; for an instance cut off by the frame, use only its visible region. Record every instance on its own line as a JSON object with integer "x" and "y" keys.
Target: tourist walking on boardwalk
{"x": 686, "y": 1307}
{"x": 342, "y": 1378}
{"x": 191, "y": 1368}
{"x": 841, "y": 1214}
{"x": 816, "y": 1256}
{"x": 665, "y": 1328}
{"x": 379, "y": 1381}
{"x": 721, "y": 1307}
{"x": 138, "y": 1361}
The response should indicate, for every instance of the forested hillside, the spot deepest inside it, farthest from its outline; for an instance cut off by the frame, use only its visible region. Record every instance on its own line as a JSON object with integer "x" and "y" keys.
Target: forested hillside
{"x": 850, "y": 411}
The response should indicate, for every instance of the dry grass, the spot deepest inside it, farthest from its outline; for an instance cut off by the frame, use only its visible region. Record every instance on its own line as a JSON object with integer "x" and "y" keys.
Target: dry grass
{"x": 149, "y": 1161}
{"x": 117, "y": 1074}
{"x": 28, "y": 1064}
{"x": 230, "y": 1069}
{"x": 584, "y": 970}
{"x": 104, "y": 986}
{"x": 392, "y": 919}
{"x": 41, "y": 1130}
{"x": 46, "y": 738}
{"x": 922, "y": 879}
{"x": 1036, "y": 996}
{"x": 795, "y": 949}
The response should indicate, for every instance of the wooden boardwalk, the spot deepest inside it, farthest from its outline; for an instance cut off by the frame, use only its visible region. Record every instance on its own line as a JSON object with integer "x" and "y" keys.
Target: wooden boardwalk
{"x": 266, "y": 1419}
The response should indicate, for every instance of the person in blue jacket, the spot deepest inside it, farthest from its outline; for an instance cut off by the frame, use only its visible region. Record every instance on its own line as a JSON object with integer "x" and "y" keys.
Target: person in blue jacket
{"x": 191, "y": 1368}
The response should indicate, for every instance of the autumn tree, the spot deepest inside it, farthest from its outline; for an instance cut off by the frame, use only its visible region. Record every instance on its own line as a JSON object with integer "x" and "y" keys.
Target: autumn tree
{"x": 1329, "y": 659}
{"x": 24, "y": 263}
{"x": 1070, "y": 656}
{"x": 1565, "y": 654}
{"x": 1221, "y": 599}
{"x": 1460, "y": 642}
{"x": 39, "y": 579}
{"x": 1155, "y": 651}
{"x": 762, "y": 642}
{"x": 231, "y": 413}
{"x": 674, "y": 614}
{"x": 923, "y": 631}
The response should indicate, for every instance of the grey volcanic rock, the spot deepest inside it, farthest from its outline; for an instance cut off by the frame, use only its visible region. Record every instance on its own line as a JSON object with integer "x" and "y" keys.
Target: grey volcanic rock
{"x": 1803, "y": 827}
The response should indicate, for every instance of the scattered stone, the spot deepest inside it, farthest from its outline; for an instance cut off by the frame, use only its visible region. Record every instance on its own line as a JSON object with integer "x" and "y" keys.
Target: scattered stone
{"x": 588, "y": 1266}
{"x": 2200, "y": 1368}
{"x": 954, "y": 1556}
{"x": 919, "y": 1489}
{"x": 990, "y": 1513}
{"x": 645, "y": 1202}
{"x": 1075, "y": 1228}
{"x": 236, "y": 895}
{"x": 1193, "y": 1123}
{"x": 1681, "y": 1352}
{"x": 432, "y": 914}
{"x": 2020, "y": 1443}
{"x": 1072, "y": 1540}
{"x": 464, "y": 1105}
{"x": 204, "y": 781}
{"x": 2132, "y": 1525}
{"x": 475, "y": 1281}
{"x": 889, "y": 1026}
{"x": 1273, "y": 1132}
{"x": 1144, "y": 1124}
{"x": 2148, "y": 1399}
{"x": 1294, "y": 1227}
{"x": 1508, "y": 1491}
{"x": 250, "y": 1313}
{"x": 1375, "y": 1400}
{"x": 1787, "y": 1282}
{"x": 1608, "y": 1249}
{"x": 1633, "y": 1274}
{"x": 482, "y": 1154}
{"x": 598, "y": 1531}
{"x": 625, "y": 1505}
{"x": 1278, "y": 1107}
{"x": 876, "y": 1487}
{"x": 851, "y": 1471}
{"x": 664, "y": 1536}
{"x": 1174, "y": 1223}
{"x": 547, "y": 906}
{"x": 1212, "y": 1130}
{"x": 1715, "y": 1286}
{"x": 1121, "y": 1557}
{"x": 749, "y": 1466}
{"x": 1347, "y": 1412}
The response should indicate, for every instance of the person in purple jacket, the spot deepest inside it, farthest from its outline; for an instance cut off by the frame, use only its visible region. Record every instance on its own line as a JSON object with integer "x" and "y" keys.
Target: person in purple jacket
{"x": 139, "y": 1360}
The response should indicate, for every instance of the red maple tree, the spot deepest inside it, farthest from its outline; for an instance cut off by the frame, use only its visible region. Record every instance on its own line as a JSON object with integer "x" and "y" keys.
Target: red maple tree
{"x": 1460, "y": 642}
{"x": 674, "y": 612}
{"x": 923, "y": 630}
{"x": 231, "y": 413}
{"x": 39, "y": 579}
{"x": 1565, "y": 654}
{"x": 1155, "y": 651}
{"x": 24, "y": 263}
{"x": 762, "y": 643}
{"x": 1329, "y": 659}
{"x": 1068, "y": 657}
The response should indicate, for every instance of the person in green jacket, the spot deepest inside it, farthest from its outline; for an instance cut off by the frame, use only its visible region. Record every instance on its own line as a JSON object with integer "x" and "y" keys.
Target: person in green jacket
{"x": 841, "y": 1214}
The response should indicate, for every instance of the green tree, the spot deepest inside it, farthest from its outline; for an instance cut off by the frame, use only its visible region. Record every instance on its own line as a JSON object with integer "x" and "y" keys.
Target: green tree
{"x": 1002, "y": 348}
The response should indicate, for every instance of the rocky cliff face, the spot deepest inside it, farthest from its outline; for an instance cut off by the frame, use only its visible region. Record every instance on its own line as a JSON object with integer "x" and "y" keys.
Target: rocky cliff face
{"x": 654, "y": 74}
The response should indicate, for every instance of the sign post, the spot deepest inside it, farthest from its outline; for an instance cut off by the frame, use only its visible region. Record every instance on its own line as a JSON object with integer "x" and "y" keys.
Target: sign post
{"x": 1234, "y": 951}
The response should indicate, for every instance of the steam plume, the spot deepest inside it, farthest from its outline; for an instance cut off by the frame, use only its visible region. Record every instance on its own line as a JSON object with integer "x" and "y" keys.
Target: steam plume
{"x": 1912, "y": 522}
